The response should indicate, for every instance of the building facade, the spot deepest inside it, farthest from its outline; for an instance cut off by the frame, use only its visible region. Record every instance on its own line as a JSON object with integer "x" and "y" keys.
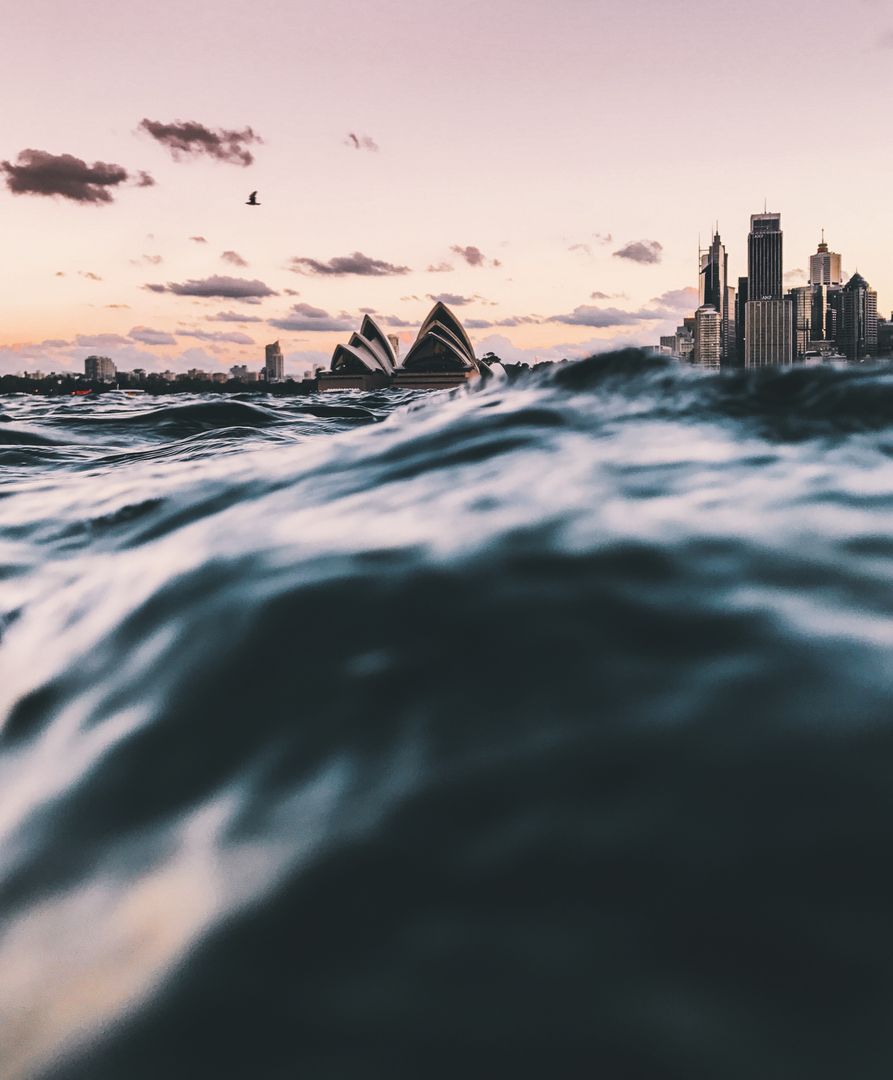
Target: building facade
{"x": 768, "y": 332}
{"x": 824, "y": 266}
{"x": 708, "y": 336}
{"x": 764, "y": 257}
{"x": 713, "y": 289}
{"x": 274, "y": 363}
{"x": 856, "y": 331}
{"x": 100, "y": 369}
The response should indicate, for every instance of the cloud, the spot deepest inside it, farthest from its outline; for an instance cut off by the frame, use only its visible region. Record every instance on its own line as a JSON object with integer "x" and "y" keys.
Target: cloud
{"x": 396, "y": 320}
{"x": 357, "y": 263}
{"x": 148, "y": 336}
{"x": 477, "y": 324}
{"x": 190, "y": 139}
{"x": 641, "y": 251}
{"x": 599, "y": 296}
{"x": 152, "y": 260}
{"x": 306, "y": 317}
{"x": 37, "y": 172}
{"x": 796, "y": 276}
{"x": 198, "y": 239}
{"x": 231, "y": 336}
{"x": 452, "y": 299}
{"x": 291, "y": 292}
{"x": 233, "y": 257}
{"x": 89, "y": 275}
{"x": 585, "y": 248}
{"x": 60, "y": 273}
{"x": 439, "y": 268}
{"x": 361, "y": 142}
{"x": 678, "y": 300}
{"x": 600, "y": 318}
{"x": 100, "y": 341}
{"x": 233, "y": 316}
{"x": 518, "y": 320}
{"x": 603, "y": 238}
{"x": 225, "y": 288}
{"x": 144, "y": 179}
{"x": 473, "y": 255}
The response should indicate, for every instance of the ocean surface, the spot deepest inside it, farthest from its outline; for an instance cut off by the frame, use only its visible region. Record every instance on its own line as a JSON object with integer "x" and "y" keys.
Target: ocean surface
{"x": 539, "y": 730}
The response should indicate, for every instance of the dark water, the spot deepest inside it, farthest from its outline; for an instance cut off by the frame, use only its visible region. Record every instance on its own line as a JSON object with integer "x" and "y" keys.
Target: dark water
{"x": 543, "y": 731}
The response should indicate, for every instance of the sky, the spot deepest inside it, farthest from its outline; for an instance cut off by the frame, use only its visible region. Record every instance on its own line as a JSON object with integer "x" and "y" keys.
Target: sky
{"x": 546, "y": 168}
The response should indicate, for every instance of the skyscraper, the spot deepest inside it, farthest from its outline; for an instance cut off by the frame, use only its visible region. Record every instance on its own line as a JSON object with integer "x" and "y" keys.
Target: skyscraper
{"x": 274, "y": 363}
{"x": 824, "y": 266}
{"x": 99, "y": 369}
{"x": 708, "y": 336}
{"x": 740, "y": 304}
{"x": 856, "y": 329}
{"x": 713, "y": 287}
{"x": 764, "y": 257}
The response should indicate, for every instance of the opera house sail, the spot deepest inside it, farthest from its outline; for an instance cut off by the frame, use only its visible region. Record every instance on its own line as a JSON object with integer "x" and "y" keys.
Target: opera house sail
{"x": 441, "y": 356}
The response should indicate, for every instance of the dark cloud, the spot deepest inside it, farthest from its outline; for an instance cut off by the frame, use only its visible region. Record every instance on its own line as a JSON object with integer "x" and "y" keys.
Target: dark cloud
{"x": 306, "y": 317}
{"x": 440, "y": 268}
{"x": 473, "y": 256}
{"x": 233, "y": 337}
{"x": 38, "y": 173}
{"x": 224, "y": 288}
{"x": 190, "y": 139}
{"x": 357, "y": 263}
{"x": 600, "y": 318}
{"x": 361, "y": 142}
{"x": 641, "y": 251}
{"x": 233, "y": 257}
{"x": 678, "y": 299}
{"x": 89, "y": 275}
{"x": 198, "y": 239}
{"x": 233, "y": 316}
{"x": 148, "y": 336}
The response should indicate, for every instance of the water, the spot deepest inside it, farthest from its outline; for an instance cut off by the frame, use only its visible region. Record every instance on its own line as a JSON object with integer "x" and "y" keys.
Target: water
{"x": 539, "y": 731}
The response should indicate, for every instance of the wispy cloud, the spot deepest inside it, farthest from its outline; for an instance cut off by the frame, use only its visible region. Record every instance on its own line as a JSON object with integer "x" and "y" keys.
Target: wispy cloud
{"x": 147, "y": 336}
{"x": 186, "y": 139}
{"x": 198, "y": 239}
{"x": 602, "y": 318}
{"x": 233, "y": 257}
{"x": 439, "y": 268}
{"x": 473, "y": 255}
{"x": 234, "y": 316}
{"x": 233, "y": 337}
{"x": 343, "y": 265}
{"x": 361, "y": 142}
{"x": 307, "y": 317}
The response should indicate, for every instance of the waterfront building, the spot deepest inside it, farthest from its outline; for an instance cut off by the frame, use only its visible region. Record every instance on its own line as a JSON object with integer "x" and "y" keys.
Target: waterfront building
{"x": 856, "y": 330}
{"x": 885, "y": 336}
{"x": 239, "y": 372}
{"x": 274, "y": 363}
{"x": 708, "y": 336}
{"x": 441, "y": 355}
{"x": 366, "y": 362}
{"x": 764, "y": 257}
{"x": 824, "y": 266}
{"x": 99, "y": 369}
{"x": 768, "y": 332}
{"x": 802, "y": 302}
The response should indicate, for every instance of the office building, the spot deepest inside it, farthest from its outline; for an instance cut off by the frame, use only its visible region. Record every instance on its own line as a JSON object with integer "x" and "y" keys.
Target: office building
{"x": 856, "y": 331}
{"x": 708, "y": 336}
{"x": 768, "y": 332}
{"x": 713, "y": 290}
{"x": 764, "y": 257}
{"x": 802, "y": 300}
{"x": 741, "y": 298}
{"x": 824, "y": 266}
{"x": 99, "y": 369}
{"x": 274, "y": 363}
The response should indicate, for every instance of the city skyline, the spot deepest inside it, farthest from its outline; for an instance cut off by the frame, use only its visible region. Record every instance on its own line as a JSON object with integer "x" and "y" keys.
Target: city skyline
{"x": 510, "y": 187}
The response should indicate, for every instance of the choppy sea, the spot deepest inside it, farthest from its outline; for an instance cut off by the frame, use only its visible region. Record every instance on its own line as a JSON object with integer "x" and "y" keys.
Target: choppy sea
{"x": 540, "y": 730}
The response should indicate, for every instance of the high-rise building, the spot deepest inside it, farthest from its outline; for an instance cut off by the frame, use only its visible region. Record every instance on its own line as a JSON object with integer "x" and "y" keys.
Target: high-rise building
{"x": 713, "y": 287}
{"x": 856, "y": 329}
{"x": 740, "y": 302}
{"x": 768, "y": 333}
{"x": 764, "y": 257}
{"x": 824, "y": 266}
{"x": 99, "y": 368}
{"x": 708, "y": 336}
{"x": 802, "y": 301}
{"x": 274, "y": 363}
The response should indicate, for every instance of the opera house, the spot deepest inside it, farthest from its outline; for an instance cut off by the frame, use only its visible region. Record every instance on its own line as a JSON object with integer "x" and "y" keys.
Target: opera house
{"x": 441, "y": 356}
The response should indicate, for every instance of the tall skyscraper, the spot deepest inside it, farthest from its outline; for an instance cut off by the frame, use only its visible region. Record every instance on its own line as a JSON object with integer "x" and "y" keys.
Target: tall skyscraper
{"x": 740, "y": 303}
{"x": 713, "y": 290}
{"x": 764, "y": 257}
{"x": 802, "y": 299}
{"x": 856, "y": 324}
{"x": 274, "y": 363}
{"x": 824, "y": 266}
{"x": 769, "y": 333}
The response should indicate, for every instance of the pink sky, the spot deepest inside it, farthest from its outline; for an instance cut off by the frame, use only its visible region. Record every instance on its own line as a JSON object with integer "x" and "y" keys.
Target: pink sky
{"x": 531, "y": 132}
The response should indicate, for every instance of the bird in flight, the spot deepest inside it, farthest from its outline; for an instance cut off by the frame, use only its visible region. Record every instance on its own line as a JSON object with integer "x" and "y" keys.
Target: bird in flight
{"x": 252, "y": 199}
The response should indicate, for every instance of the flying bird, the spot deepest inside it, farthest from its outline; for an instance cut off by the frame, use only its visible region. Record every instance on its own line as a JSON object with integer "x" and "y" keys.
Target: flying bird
{"x": 252, "y": 199}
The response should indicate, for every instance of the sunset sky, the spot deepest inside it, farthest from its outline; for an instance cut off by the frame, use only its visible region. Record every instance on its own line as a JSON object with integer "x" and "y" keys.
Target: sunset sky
{"x": 546, "y": 168}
